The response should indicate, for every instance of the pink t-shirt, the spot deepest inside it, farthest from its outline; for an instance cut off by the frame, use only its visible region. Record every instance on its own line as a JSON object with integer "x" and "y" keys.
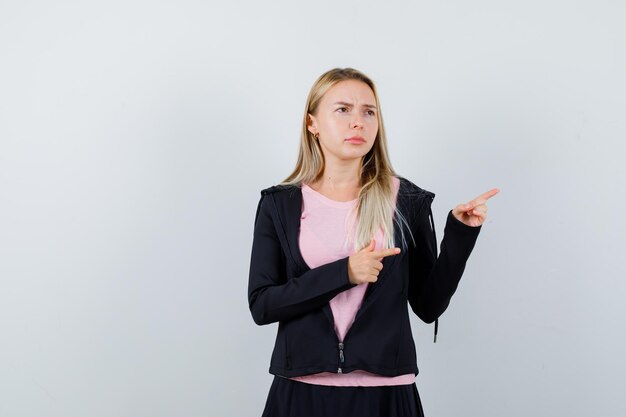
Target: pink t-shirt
{"x": 327, "y": 228}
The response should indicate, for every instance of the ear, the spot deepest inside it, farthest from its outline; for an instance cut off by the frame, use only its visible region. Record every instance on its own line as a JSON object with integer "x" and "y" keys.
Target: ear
{"x": 311, "y": 123}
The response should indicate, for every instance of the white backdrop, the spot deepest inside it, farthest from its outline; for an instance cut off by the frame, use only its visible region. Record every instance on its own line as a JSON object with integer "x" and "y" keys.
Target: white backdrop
{"x": 135, "y": 137}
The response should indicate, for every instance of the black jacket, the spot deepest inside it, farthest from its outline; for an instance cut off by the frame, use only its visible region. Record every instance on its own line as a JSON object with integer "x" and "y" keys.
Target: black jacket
{"x": 283, "y": 289}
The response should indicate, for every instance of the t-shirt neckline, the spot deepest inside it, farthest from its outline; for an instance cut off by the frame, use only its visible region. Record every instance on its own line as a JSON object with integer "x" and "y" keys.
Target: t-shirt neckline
{"x": 306, "y": 188}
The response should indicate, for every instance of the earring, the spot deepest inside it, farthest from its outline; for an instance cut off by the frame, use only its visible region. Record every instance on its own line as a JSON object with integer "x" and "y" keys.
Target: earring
{"x": 317, "y": 135}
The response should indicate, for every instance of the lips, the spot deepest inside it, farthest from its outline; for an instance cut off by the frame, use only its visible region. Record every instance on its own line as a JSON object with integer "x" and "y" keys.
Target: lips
{"x": 356, "y": 139}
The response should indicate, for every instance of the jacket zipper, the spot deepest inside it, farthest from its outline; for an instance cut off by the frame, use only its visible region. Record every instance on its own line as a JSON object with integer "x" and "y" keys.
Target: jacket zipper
{"x": 341, "y": 358}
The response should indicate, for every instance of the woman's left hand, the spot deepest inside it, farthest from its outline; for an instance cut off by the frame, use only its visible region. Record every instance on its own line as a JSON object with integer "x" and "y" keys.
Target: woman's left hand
{"x": 474, "y": 213}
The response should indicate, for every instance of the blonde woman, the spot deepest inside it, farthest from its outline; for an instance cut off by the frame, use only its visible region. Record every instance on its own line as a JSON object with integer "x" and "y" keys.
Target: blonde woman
{"x": 340, "y": 249}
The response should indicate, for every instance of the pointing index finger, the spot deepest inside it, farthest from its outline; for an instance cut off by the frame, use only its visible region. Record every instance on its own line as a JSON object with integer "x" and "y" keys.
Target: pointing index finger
{"x": 485, "y": 196}
{"x": 385, "y": 252}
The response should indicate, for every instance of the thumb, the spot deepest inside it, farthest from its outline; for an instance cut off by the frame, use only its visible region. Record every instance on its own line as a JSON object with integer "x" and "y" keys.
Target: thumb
{"x": 370, "y": 247}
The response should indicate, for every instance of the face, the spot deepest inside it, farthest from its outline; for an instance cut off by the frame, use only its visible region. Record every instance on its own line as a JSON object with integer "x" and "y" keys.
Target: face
{"x": 347, "y": 110}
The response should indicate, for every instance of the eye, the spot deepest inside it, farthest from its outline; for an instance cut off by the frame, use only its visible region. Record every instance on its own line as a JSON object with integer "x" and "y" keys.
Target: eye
{"x": 345, "y": 108}
{"x": 372, "y": 112}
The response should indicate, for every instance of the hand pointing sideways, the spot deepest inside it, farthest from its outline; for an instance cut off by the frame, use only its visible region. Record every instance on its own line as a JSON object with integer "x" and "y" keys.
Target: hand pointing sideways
{"x": 474, "y": 213}
{"x": 365, "y": 265}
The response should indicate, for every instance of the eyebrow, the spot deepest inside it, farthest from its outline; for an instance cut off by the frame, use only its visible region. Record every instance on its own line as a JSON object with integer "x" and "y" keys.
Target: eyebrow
{"x": 343, "y": 103}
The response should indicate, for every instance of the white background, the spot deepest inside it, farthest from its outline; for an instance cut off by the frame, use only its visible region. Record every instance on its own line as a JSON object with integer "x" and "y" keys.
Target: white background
{"x": 135, "y": 137}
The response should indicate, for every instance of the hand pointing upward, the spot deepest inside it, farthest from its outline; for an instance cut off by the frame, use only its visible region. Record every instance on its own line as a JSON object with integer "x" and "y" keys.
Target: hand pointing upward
{"x": 474, "y": 213}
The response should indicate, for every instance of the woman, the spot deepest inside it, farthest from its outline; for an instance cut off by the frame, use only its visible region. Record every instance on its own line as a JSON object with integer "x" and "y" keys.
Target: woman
{"x": 339, "y": 248}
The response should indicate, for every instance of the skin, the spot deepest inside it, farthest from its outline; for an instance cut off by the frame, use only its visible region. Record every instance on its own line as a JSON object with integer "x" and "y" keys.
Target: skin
{"x": 337, "y": 122}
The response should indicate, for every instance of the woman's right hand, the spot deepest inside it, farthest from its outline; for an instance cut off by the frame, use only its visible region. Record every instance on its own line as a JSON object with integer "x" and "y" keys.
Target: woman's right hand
{"x": 365, "y": 265}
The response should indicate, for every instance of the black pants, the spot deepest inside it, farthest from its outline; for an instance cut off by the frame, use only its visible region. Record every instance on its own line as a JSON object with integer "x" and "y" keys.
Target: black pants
{"x": 289, "y": 398}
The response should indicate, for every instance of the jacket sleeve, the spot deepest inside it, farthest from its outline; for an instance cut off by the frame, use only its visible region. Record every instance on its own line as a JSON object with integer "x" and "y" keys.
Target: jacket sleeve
{"x": 272, "y": 294}
{"x": 433, "y": 280}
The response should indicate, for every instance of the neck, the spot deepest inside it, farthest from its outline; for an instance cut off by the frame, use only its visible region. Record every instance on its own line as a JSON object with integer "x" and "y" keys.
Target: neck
{"x": 340, "y": 176}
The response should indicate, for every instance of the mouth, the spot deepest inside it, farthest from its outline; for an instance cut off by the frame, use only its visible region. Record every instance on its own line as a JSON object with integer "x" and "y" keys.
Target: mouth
{"x": 356, "y": 139}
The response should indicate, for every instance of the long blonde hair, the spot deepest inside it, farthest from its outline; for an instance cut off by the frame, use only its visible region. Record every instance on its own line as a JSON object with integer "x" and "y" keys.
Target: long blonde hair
{"x": 375, "y": 207}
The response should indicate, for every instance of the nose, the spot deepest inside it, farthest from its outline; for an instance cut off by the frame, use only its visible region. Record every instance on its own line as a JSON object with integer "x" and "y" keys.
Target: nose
{"x": 357, "y": 122}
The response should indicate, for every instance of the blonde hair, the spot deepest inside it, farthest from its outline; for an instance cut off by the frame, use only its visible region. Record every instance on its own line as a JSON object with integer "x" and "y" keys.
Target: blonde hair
{"x": 375, "y": 206}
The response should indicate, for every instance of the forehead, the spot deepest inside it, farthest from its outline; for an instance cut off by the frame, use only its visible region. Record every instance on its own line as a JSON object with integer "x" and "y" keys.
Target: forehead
{"x": 350, "y": 91}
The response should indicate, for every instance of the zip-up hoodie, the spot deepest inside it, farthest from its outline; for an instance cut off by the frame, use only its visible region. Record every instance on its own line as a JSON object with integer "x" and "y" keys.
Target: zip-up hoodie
{"x": 283, "y": 289}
